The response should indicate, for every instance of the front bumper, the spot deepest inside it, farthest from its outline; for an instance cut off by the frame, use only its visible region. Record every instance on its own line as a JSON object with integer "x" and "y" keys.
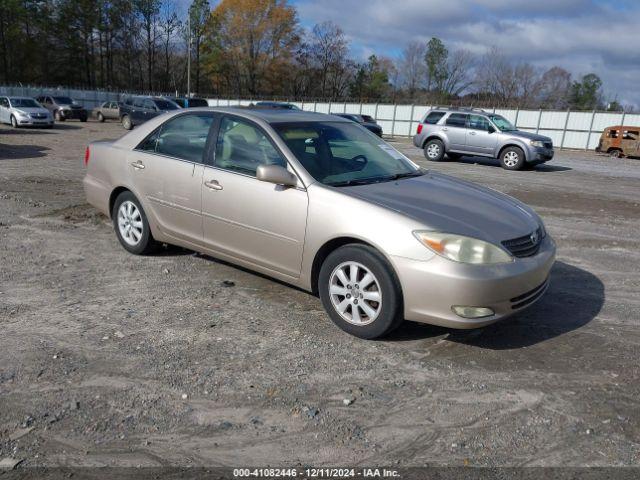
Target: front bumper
{"x": 77, "y": 114}
{"x": 539, "y": 155}
{"x": 431, "y": 288}
{"x": 34, "y": 122}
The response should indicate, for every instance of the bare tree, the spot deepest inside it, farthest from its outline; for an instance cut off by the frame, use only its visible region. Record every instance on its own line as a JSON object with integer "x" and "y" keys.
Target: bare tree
{"x": 412, "y": 66}
{"x": 555, "y": 87}
{"x": 328, "y": 48}
{"x": 458, "y": 76}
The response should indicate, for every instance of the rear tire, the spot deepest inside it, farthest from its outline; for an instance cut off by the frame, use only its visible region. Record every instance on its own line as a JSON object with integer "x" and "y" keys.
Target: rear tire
{"x": 126, "y": 122}
{"x": 615, "y": 153}
{"x": 512, "y": 158}
{"x": 366, "y": 310}
{"x": 434, "y": 150}
{"x": 131, "y": 225}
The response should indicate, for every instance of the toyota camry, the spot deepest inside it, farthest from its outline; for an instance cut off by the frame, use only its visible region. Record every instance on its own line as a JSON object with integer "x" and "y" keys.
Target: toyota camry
{"x": 319, "y": 202}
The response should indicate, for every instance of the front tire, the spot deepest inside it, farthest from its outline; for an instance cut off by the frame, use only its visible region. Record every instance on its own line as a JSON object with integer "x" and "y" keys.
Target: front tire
{"x": 14, "y": 122}
{"x": 58, "y": 117}
{"x": 126, "y": 122}
{"x": 131, "y": 225}
{"x": 434, "y": 150}
{"x": 100, "y": 117}
{"x": 512, "y": 158}
{"x": 360, "y": 291}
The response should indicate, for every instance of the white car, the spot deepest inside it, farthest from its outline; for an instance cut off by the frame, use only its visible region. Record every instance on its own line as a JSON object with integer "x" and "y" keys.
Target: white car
{"x": 24, "y": 111}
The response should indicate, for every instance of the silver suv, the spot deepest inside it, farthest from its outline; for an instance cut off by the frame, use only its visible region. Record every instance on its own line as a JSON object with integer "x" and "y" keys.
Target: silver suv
{"x": 460, "y": 131}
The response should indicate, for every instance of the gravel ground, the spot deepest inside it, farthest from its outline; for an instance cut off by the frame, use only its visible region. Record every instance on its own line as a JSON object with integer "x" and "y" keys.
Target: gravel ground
{"x": 178, "y": 359}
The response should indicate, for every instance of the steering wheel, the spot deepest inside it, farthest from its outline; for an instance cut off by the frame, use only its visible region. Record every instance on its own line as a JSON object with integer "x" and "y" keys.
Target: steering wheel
{"x": 359, "y": 161}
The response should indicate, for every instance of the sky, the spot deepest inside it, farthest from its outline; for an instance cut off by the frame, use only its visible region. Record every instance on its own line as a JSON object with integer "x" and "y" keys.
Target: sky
{"x": 582, "y": 36}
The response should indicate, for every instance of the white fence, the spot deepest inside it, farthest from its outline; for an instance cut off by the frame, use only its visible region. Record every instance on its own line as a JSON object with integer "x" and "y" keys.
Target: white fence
{"x": 567, "y": 129}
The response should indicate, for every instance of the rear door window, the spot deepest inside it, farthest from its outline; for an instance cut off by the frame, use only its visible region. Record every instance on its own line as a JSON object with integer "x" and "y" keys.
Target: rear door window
{"x": 433, "y": 118}
{"x": 457, "y": 120}
{"x": 183, "y": 137}
{"x": 138, "y": 102}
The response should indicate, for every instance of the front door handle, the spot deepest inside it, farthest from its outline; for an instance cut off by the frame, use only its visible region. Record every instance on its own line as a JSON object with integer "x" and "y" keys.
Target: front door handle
{"x": 213, "y": 185}
{"x": 444, "y": 129}
{"x": 472, "y": 133}
{"x": 138, "y": 165}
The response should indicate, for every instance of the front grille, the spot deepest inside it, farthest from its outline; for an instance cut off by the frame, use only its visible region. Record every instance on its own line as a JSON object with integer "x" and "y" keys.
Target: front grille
{"x": 529, "y": 297}
{"x": 38, "y": 115}
{"x": 524, "y": 246}
{"x": 548, "y": 145}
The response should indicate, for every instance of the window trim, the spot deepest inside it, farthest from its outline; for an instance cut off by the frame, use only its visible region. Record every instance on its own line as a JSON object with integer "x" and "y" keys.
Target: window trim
{"x": 205, "y": 152}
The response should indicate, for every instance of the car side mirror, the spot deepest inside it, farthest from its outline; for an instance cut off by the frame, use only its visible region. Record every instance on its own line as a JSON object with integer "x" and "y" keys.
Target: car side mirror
{"x": 491, "y": 129}
{"x": 276, "y": 174}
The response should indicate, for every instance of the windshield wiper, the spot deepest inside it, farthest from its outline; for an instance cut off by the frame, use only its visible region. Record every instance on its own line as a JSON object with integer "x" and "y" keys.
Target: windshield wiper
{"x": 417, "y": 173}
{"x": 366, "y": 181}
{"x": 356, "y": 181}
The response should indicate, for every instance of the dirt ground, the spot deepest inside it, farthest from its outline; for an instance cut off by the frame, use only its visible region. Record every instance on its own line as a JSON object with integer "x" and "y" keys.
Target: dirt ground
{"x": 178, "y": 359}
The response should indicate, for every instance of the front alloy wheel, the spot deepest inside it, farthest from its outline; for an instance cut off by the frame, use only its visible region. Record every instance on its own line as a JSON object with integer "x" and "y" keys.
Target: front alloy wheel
{"x": 360, "y": 291}
{"x": 512, "y": 158}
{"x": 355, "y": 293}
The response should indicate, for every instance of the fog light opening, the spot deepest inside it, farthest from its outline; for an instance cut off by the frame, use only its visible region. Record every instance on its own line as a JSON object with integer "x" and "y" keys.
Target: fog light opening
{"x": 472, "y": 312}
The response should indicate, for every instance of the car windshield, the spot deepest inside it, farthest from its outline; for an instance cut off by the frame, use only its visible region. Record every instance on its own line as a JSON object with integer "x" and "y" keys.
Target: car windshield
{"x": 63, "y": 100}
{"x": 502, "y": 123}
{"x": 166, "y": 105}
{"x": 341, "y": 154}
{"x": 24, "y": 103}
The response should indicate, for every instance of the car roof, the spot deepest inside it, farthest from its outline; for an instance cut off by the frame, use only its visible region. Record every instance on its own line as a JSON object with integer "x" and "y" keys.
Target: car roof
{"x": 20, "y": 98}
{"x": 275, "y": 115}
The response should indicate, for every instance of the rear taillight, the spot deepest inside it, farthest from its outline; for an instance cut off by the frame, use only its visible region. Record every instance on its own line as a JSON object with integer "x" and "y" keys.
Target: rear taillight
{"x": 87, "y": 153}
{"x": 419, "y": 129}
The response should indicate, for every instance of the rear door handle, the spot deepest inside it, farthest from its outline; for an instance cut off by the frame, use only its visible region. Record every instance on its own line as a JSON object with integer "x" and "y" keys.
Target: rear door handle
{"x": 213, "y": 185}
{"x": 472, "y": 133}
{"x": 138, "y": 165}
{"x": 444, "y": 129}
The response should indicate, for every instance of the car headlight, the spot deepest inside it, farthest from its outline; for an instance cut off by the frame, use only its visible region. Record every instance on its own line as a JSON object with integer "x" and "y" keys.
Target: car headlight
{"x": 463, "y": 249}
{"x": 22, "y": 114}
{"x": 537, "y": 143}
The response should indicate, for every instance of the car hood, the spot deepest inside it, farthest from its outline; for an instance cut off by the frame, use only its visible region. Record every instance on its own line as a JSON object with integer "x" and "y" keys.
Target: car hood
{"x": 32, "y": 110}
{"x": 446, "y": 204}
{"x": 528, "y": 135}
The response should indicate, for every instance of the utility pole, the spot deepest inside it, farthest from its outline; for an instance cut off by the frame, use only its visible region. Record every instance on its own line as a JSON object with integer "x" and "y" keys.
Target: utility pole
{"x": 189, "y": 56}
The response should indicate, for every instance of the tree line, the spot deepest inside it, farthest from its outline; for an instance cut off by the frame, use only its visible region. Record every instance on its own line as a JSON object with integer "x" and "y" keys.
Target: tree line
{"x": 258, "y": 49}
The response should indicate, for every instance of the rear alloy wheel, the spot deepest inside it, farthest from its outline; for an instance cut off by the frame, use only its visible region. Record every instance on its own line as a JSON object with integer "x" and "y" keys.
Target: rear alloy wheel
{"x": 615, "y": 153}
{"x": 131, "y": 225}
{"x": 14, "y": 122}
{"x": 126, "y": 122}
{"x": 434, "y": 150}
{"x": 360, "y": 292}
{"x": 100, "y": 117}
{"x": 512, "y": 158}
